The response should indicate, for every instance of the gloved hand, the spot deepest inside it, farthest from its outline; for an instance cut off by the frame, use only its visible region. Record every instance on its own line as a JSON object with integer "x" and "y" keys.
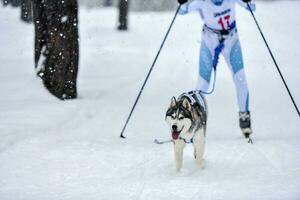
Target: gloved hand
{"x": 184, "y": 1}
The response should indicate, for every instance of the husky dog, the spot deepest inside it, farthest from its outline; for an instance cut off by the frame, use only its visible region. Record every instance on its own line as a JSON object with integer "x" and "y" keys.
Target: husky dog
{"x": 187, "y": 117}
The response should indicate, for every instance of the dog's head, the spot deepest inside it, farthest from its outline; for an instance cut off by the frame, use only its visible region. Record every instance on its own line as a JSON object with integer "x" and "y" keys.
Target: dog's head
{"x": 179, "y": 117}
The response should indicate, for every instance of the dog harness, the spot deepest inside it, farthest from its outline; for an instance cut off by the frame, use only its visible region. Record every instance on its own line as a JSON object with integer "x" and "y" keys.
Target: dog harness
{"x": 187, "y": 141}
{"x": 196, "y": 99}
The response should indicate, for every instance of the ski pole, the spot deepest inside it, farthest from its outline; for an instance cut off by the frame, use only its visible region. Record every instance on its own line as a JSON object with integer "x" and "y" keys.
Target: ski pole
{"x": 262, "y": 35}
{"x": 151, "y": 68}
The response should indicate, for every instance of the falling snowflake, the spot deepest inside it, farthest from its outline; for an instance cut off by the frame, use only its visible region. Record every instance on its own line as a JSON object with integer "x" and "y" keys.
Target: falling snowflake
{"x": 64, "y": 19}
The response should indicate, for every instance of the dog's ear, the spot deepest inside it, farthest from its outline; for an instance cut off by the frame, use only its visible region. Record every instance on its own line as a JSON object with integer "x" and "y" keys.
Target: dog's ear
{"x": 173, "y": 102}
{"x": 186, "y": 104}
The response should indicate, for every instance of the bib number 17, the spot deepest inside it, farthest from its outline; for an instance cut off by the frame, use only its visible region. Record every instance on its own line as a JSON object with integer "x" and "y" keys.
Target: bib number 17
{"x": 224, "y": 22}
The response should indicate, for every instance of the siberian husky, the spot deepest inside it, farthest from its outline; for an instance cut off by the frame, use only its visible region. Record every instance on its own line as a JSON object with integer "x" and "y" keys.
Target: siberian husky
{"x": 187, "y": 116}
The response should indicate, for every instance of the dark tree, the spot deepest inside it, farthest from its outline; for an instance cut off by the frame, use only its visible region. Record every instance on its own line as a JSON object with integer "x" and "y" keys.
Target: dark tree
{"x": 123, "y": 14}
{"x": 6, "y": 2}
{"x": 26, "y": 10}
{"x": 56, "y": 45}
{"x": 15, "y": 3}
{"x": 107, "y": 2}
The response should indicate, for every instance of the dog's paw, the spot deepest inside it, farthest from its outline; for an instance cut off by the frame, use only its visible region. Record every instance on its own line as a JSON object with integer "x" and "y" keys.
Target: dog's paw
{"x": 200, "y": 163}
{"x": 203, "y": 165}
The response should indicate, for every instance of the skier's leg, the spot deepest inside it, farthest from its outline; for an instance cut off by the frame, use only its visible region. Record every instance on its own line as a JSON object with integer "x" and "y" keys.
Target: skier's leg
{"x": 205, "y": 67}
{"x": 234, "y": 59}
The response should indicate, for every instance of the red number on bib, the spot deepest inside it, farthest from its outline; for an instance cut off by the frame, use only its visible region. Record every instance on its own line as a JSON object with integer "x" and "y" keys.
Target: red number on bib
{"x": 226, "y": 19}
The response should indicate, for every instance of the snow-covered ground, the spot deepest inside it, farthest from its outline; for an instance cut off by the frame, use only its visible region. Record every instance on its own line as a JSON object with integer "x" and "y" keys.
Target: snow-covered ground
{"x": 51, "y": 149}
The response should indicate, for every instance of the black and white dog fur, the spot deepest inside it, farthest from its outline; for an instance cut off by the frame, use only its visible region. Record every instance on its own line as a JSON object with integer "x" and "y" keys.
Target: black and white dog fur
{"x": 187, "y": 116}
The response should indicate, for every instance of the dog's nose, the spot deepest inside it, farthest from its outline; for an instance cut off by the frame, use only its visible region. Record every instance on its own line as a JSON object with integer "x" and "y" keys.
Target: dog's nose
{"x": 174, "y": 127}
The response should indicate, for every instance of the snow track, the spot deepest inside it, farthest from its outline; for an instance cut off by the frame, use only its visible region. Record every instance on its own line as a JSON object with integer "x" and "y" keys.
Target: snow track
{"x": 72, "y": 151}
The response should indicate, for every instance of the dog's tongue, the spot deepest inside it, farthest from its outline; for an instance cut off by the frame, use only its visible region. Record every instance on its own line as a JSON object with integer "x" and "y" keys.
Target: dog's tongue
{"x": 175, "y": 135}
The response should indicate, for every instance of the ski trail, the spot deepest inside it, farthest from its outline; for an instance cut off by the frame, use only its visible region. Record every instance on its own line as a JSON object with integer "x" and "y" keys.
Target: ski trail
{"x": 283, "y": 175}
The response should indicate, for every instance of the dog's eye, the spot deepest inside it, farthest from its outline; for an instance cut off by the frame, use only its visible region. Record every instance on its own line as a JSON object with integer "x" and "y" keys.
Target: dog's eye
{"x": 173, "y": 116}
{"x": 181, "y": 118}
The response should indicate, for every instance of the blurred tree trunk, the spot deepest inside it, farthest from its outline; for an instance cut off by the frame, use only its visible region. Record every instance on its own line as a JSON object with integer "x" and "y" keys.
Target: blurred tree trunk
{"x": 56, "y": 45}
{"x": 6, "y": 2}
{"x": 107, "y": 2}
{"x": 26, "y": 10}
{"x": 15, "y": 2}
{"x": 123, "y": 14}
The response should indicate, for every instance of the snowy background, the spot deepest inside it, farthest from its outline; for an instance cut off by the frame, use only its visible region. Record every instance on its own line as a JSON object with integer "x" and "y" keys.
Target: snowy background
{"x": 136, "y": 5}
{"x": 71, "y": 150}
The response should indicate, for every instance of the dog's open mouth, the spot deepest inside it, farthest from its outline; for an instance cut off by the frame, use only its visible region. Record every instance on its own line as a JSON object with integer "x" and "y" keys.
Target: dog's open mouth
{"x": 175, "y": 134}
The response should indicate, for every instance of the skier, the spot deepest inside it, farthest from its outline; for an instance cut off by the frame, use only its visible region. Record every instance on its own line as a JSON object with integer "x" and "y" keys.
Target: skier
{"x": 220, "y": 36}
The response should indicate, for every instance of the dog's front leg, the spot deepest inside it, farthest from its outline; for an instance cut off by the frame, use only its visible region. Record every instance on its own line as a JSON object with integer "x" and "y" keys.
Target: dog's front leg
{"x": 199, "y": 143}
{"x": 178, "y": 150}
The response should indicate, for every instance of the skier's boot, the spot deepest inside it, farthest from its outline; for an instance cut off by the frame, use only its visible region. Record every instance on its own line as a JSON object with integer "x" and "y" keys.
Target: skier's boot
{"x": 245, "y": 123}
